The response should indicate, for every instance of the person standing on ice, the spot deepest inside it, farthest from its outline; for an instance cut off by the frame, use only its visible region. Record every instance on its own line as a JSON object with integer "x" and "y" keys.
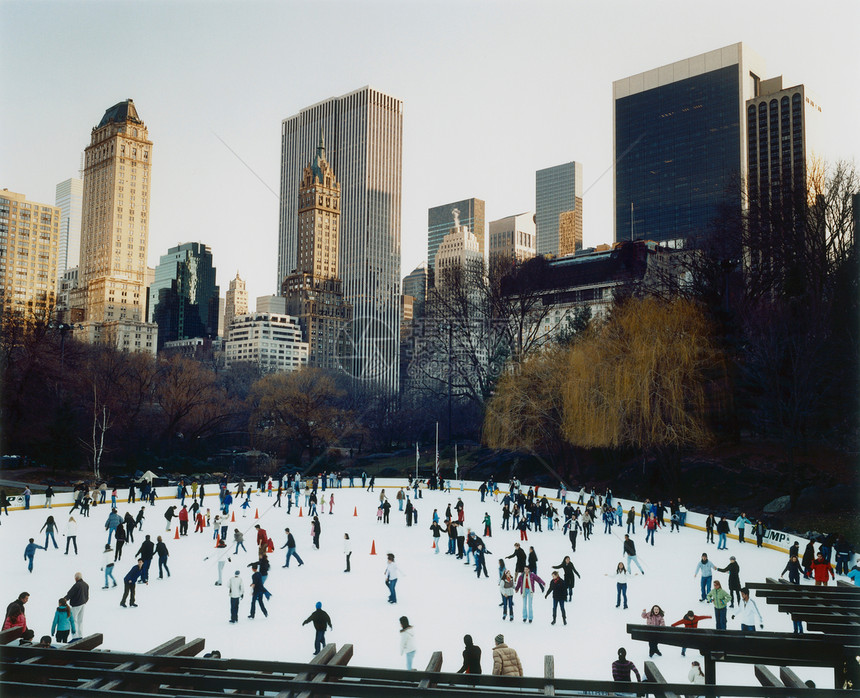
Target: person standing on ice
{"x": 236, "y": 592}
{"x": 520, "y": 556}
{"x": 316, "y": 530}
{"x": 526, "y": 585}
{"x": 706, "y": 568}
{"x": 690, "y": 620}
{"x": 257, "y": 591}
{"x": 49, "y": 527}
{"x": 78, "y": 596}
{"x": 290, "y": 545}
{"x": 130, "y": 582}
{"x": 710, "y": 525}
{"x": 119, "y": 541}
{"x": 506, "y": 589}
{"x": 471, "y": 657}
{"x": 146, "y": 553}
{"x": 321, "y": 621}
{"x": 347, "y": 550}
{"x": 741, "y": 523}
{"x": 30, "y": 553}
{"x": 107, "y": 565}
{"x": 72, "y": 534}
{"x": 655, "y": 618}
{"x": 570, "y": 574}
{"x": 407, "y": 641}
{"x": 559, "y": 595}
{"x": 392, "y": 573}
{"x": 734, "y": 571}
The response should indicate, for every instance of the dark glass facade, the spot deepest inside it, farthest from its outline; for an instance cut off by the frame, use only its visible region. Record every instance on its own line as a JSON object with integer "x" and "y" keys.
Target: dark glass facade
{"x": 678, "y": 155}
{"x": 183, "y": 298}
{"x": 440, "y": 220}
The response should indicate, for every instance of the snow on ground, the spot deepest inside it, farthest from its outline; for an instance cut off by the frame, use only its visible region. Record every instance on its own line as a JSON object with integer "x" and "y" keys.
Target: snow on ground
{"x": 441, "y": 596}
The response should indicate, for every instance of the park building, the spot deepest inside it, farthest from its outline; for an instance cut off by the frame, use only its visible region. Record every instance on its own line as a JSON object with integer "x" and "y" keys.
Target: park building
{"x": 270, "y": 341}
{"x": 29, "y": 240}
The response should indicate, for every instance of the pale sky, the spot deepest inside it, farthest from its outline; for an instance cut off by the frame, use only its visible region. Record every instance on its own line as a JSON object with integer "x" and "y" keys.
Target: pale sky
{"x": 492, "y": 91}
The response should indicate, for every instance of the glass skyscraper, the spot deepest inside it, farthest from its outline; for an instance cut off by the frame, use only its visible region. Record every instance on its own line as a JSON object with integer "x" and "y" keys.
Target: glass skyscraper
{"x": 680, "y": 146}
{"x": 440, "y": 220}
{"x": 184, "y": 298}
{"x": 364, "y": 134}
{"x": 558, "y": 190}
{"x": 70, "y": 201}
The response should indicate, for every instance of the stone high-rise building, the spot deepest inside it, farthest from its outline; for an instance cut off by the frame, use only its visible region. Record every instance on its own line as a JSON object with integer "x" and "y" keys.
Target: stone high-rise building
{"x": 314, "y": 293}
{"x": 364, "y": 134}
{"x": 512, "y": 238}
{"x": 236, "y": 302}
{"x": 440, "y": 220}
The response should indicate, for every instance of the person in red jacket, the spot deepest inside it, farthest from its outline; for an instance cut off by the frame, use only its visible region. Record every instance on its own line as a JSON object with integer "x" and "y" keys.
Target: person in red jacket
{"x": 262, "y": 539}
{"x": 820, "y": 571}
{"x": 690, "y": 620}
{"x": 15, "y": 615}
{"x": 183, "y": 521}
{"x": 199, "y": 523}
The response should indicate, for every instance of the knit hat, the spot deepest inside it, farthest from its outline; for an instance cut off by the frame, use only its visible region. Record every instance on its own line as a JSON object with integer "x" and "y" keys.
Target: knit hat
{"x": 319, "y": 605}
{"x": 500, "y": 639}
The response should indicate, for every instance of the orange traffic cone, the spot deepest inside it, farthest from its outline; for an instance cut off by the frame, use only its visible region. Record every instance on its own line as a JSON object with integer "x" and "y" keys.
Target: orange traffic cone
{"x": 176, "y": 537}
{"x": 300, "y": 511}
{"x": 256, "y": 513}
{"x": 355, "y": 512}
{"x": 217, "y": 540}
{"x": 233, "y": 520}
{"x": 373, "y": 548}
{"x": 433, "y": 547}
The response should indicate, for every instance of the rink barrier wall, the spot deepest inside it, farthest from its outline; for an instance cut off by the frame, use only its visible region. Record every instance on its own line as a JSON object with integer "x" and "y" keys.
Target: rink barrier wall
{"x": 695, "y": 520}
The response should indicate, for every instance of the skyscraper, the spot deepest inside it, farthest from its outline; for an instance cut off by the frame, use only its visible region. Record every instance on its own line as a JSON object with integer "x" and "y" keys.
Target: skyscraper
{"x": 415, "y": 285}
{"x": 364, "y": 134}
{"x": 458, "y": 256}
{"x": 236, "y": 302}
{"x": 314, "y": 293}
{"x": 512, "y": 238}
{"x": 183, "y": 299}
{"x": 440, "y": 220}
{"x": 558, "y": 209}
{"x": 680, "y": 148}
{"x": 115, "y": 219}
{"x": 69, "y": 199}
{"x": 29, "y": 236}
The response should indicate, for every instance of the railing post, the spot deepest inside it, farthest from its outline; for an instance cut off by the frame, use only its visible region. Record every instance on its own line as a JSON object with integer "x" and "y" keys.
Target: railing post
{"x": 549, "y": 675}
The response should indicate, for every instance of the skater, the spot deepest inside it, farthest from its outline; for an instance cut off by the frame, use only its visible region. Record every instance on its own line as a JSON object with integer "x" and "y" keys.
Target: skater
{"x": 794, "y": 570}
{"x": 570, "y": 573}
{"x": 471, "y": 657}
{"x": 506, "y": 661}
{"x": 488, "y": 526}
{"x": 734, "y": 571}
{"x": 30, "y": 553}
{"x": 183, "y": 520}
{"x": 623, "y": 667}
{"x": 690, "y": 620}
{"x": 532, "y": 559}
{"x": 820, "y": 570}
{"x": 760, "y": 529}
{"x": 722, "y": 533}
{"x": 107, "y": 566}
{"x": 706, "y": 567}
{"x": 161, "y": 551}
{"x": 651, "y": 528}
{"x": 391, "y": 574}
{"x": 49, "y": 496}
{"x": 741, "y": 523}
{"x": 130, "y": 582}
{"x": 520, "y": 555}
{"x": 78, "y": 595}
{"x": 236, "y": 592}
{"x": 720, "y": 598}
{"x": 290, "y": 545}
{"x": 506, "y": 589}
{"x": 72, "y": 534}
{"x": 622, "y": 576}
{"x": 630, "y": 552}
{"x": 168, "y": 515}
{"x": 321, "y": 621}
{"x": 49, "y": 527}
{"x": 748, "y": 613}
{"x": 316, "y": 529}
{"x": 710, "y": 525}
{"x": 113, "y": 520}
{"x": 239, "y": 540}
{"x": 436, "y": 529}
{"x": 119, "y": 541}
{"x": 347, "y": 550}
{"x": 258, "y": 590}
{"x": 655, "y": 617}
{"x": 407, "y": 641}
{"x": 558, "y": 589}
{"x": 631, "y": 520}
{"x": 130, "y": 525}
{"x": 146, "y": 553}
{"x": 64, "y": 622}
{"x": 526, "y": 585}
{"x": 575, "y": 527}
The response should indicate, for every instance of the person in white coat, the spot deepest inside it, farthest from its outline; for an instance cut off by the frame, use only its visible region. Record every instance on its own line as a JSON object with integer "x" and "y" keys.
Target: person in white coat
{"x": 748, "y": 612}
{"x": 236, "y": 590}
{"x": 347, "y": 549}
{"x": 392, "y": 572}
{"x": 407, "y": 641}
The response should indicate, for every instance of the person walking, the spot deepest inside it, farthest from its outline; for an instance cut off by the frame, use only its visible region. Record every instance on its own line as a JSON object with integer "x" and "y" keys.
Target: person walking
{"x": 735, "y": 586}
{"x": 506, "y": 661}
{"x": 236, "y": 592}
{"x": 407, "y": 641}
{"x": 64, "y": 622}
{"x": 655, "y": 618}
{"x": 239, "y": 540}
{"x": 258, "y": 590}
{"x": 392, "y": 573}
{"x": 821, "y": 568}
{"x": 720, "y": 598}
{"x": 748, "y": 613}
{"x": 161, "y": 551}
{"x": 72, "y": 534}
{"x": 78, "y": 595}
{"x": 347, "y": 550}
{"x": 30, "y": 553}
{"x": 525, "y": 585}
{"x": 290, "y": 545}
{"x": 630, "y": 551}
{"x": 119, "y": 541}
{"x": 107, "y": 565}
{"x": 722, "y": 533}
{"x": 146, "y": 552}
{"x": 506, "y": 589}
{"x": 471, "y": 657}
{"x": 706, "y": 568}
{"x": 690, "y": 620}
{"x": 321, "y": 621}
{"x": 558, "y": 589}
{"x": 130, "y": 583}
{"x": 49, "y": 527}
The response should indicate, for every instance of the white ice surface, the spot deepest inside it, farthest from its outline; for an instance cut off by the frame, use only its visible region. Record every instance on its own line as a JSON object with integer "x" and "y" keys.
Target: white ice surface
{"x": 440, "y": 595}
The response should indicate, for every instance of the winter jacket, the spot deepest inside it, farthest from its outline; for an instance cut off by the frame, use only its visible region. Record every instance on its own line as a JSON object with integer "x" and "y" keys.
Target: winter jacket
{"x": 723, "y": 526}
{"x": 113, "y": 521}
{"x": 621, "y": 670}
{"x": 320, "y": 619}
{"x": 630, "y": 548}
{"x": 63, "y": 620}
{"x": 558, "y": 589}
{"x": 748, "y": 613}
{"x": 741, "y": 522}
{"x": 133, "y": 575}
{"x": 734, "y": 570}
{"x": 690, "y": 622}
{"x": 533, "y": 579}
{"x": 570, "y": 573}
{"x": 161, "y": 549}
{"x": 506, "y": 587}
{"x": 654, "y": 619}
{"x": 720, "y": 597}
{"x": 471, "y": 660}
{"x": 407, "y": 640}
{"x": 235, "y": 587}
{"x": 79, "y": 593}
{"x": 146, "y": 550}
{"x": 506, "y": 661}
{"x": 621, "y": 577}
{"x": 821, "y": 570}
{"x": 15, "y": 616}
{"x": 706, "y": 568}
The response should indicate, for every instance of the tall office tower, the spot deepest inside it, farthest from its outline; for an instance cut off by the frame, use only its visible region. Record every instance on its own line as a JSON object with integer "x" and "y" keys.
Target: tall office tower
{"x": 364, "y": 134}
{"x": 440, "y": 220}
{"x": 29, "y": 237}
{"x": 183, "y": 298}
{"x": 236, "y": 302}
{"x": 70, "y": 200}
{"x": 558, "y": 202}
{"x": 115, "y": 221}
{"x": 314, "y": 293}
{"x": 459, "y": 255}
{"x": 680, "y": 147}
{"x": 415, "y": 285}
{"x": 512, "y": 238}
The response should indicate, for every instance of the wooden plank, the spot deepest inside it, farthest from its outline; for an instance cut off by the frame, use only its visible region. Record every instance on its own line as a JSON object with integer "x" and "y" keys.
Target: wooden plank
{"x": 653, "y": 674}
{"x": 434, "y": 666}
{"x": 163, "y": 648}
{"x": 766, "y": 677}
{"x": 188, "y": 649}
{"x": 790, "y": 679}
{"x": 843, "y": 583}
{"x": 340, "y": 659}
{"x": 549, "y": 675}
{"x": 326, "y": 654}
{"x": 86, "y": 643}
{"x": 10, "y": 635}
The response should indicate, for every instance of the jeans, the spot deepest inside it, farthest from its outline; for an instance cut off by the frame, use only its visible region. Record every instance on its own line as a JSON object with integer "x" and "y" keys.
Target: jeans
{"x": 234, "y": 609}
{"x": 238, "y": 543}
{"x": 621, "y": 590}
{"x": 109, "y": 575}
{"x": 291, "y": 552}
{"x": 50, "y": 534}
{"x": 436, "y": 545}
{"x": 162, "y": 566}
{"x": 392, "y": 595}
{"x": 748, "y": 628}
{"x": 144, "y": 572}
{"x": 740, "y": 535}
{"x": 507, "y": 605}
{"x": 650, "y": 535}
{"x": 319, "y": 641}
{"x": 258, "y": 599}
{"x": 720, "y": 618}
{"x": 74, "y": 541}
{"x": 527, "y": 604}
{"x": 631, "y": 560}
{"x": 409, "y": 657}
{"x": 706, "y": 587}
{"x": 721, "y": 542}
{"x": 30, "y": 563}
{"x": 631, "y": 527}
